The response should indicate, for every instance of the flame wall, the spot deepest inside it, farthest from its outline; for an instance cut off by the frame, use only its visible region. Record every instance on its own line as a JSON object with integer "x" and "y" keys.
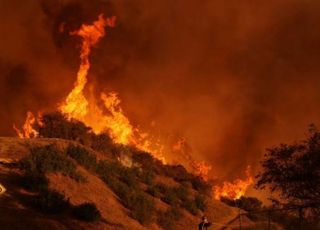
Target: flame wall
{"x": 232, "y": 77}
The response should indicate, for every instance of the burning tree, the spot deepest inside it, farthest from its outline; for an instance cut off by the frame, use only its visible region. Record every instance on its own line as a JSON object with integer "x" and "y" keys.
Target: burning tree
{"x": 293, "y": 171}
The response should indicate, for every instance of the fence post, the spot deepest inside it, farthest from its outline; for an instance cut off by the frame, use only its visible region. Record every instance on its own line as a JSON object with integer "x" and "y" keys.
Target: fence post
{"x": 240, "y": 224}
{"x": 269, "y": 219}
{"x": 300, "y": 217}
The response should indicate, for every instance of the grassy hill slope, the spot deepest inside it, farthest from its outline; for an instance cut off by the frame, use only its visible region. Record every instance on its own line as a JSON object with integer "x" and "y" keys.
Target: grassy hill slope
{"x": 16, "y": 213}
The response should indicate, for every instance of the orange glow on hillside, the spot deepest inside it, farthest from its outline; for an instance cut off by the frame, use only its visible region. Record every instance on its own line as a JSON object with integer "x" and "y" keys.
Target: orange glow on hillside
{"x": 234, "y": 190}
{"x": 202, "y": 169}
{"x": 27, "y": 129}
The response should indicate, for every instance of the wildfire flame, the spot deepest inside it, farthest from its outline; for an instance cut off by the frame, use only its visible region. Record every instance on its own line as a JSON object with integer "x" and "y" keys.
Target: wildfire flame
{"x": 27, "y": 129}
{"x": 110, "y": 118}
{"x": 234, "y": 190}
{"x": 199, "y": 168}
{"x": 77, "y": 106}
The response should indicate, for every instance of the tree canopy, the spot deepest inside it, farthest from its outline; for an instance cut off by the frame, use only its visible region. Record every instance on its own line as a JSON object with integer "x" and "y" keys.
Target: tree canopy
{"x": 293, "y": 170}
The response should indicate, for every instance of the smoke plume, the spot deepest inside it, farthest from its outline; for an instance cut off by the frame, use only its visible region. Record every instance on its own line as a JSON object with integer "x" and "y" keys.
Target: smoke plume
{"x": 232, "y": 77}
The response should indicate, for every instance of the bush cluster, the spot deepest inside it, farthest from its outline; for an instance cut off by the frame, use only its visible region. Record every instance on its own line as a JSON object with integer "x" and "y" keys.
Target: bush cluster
{"x": 167, "y": 219}
{"x": 102, "y": 143}
{"x": 51, "y": 202}
{"x": 82, "y": 156}
{"x": 34, "y": 182}
{"x": 245, "y": 203}
{"x": 178, "y": 197}
{"x": 123, "y": 181}
{"x": 57, "y": 125}
{"x": 201, "y": 202}
{"x": 87, "y": 212}
{"x": 48, "y": 159}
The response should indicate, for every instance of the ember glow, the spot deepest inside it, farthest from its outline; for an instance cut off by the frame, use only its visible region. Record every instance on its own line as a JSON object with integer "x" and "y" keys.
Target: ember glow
{"x": 234, "y": 190}
{"x": 27, "y": 130}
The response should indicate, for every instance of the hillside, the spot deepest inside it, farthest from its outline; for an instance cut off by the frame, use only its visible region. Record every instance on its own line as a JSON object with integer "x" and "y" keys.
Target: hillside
{"x": 14, "y": 202}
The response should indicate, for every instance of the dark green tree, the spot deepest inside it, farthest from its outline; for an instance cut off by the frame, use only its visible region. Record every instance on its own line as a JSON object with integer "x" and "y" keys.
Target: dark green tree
{"x": 293, "y": 171}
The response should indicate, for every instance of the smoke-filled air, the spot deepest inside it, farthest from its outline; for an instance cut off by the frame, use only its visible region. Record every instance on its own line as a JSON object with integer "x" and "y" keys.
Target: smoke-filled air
{"x": 207, "y": 84}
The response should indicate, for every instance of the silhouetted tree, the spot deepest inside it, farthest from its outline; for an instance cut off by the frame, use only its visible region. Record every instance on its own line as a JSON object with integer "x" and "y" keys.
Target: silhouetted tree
{"x": 293, "y": 170}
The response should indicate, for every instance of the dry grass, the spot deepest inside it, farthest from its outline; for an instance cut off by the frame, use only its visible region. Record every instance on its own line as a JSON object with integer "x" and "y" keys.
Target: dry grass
{"x": 114, "y": 215}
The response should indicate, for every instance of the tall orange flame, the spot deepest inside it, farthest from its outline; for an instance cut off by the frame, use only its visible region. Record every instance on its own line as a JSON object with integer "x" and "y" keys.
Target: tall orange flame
{"x": 110, "y": 118}
{"x": 76, "y": 104}
{"x": 234, "y": 190}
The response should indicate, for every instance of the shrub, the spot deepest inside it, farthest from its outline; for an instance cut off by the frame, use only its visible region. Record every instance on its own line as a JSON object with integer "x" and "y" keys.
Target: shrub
{"x": 147, "y": 177}
{"x": 177, "y": 172}
{"x": 182, "y": 193}
{"x": 167, "y": 219}
{"x": 123, "y": 181}
{"x": 102, "y": 143}
{"x": 250, "y": 203}
{"x": 109, "y": 171}
{"x": 245, "y": 203}
{"x": 154, "y": 191}
{"x": 87, "y": 212}
{"x": 170, "y": 196}
{"x": 190, "y": 206}
{"x": 34, "y": 182}
{"x": 56, "y": 125}
{"x": 201, "y": 186}
{"x": 200, "y": 202}
{"x": 161, "y": 188}
{"x": 48, "y": 159}
{"x": 82, "y": 156}
{"x": 129, "y": 177}
{"x": 142, "y": 207}
{"x": 51, "y": 202}
{"x": 147, "y": 161}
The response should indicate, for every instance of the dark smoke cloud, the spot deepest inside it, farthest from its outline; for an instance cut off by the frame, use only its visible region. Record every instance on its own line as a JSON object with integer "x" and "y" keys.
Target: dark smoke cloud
{"x": 233, "y": 77}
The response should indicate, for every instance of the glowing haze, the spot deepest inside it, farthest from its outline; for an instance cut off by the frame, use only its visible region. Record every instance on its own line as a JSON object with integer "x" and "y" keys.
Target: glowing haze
{"x": 77, "y": 106}
{"x": 231, "y": 77}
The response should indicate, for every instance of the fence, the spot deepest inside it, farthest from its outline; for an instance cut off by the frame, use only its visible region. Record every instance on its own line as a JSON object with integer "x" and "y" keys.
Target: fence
{"x": 292, "y": 218}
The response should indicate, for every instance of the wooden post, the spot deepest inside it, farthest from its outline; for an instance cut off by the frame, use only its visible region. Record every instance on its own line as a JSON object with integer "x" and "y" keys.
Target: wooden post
{"x": 240, "y": 222}
{"x": 269, "y": 219}
{"x": 300, "y": 217}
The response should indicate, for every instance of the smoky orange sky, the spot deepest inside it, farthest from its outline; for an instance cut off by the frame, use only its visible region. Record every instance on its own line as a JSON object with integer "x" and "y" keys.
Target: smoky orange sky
{"x": 232, "y": 77}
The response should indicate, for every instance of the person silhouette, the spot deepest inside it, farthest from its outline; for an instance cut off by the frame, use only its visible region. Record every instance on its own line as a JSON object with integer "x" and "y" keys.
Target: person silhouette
{"x": 204, "y": 224}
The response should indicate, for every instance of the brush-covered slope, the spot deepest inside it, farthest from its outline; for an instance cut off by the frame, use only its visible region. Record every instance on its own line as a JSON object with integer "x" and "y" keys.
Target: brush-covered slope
{"x": 131, "y": 190}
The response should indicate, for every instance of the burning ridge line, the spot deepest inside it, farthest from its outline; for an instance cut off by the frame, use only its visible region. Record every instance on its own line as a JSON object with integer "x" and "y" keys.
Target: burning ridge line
{"x": 77, "y": 106}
